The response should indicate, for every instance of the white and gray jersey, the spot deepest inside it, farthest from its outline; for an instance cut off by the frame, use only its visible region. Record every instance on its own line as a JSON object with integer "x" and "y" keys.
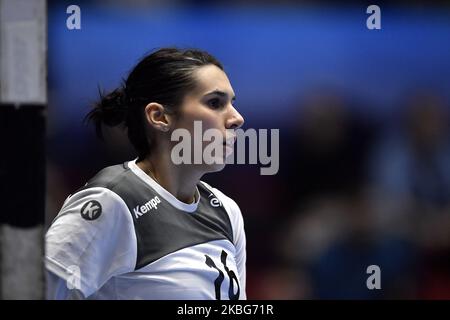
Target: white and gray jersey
{"x": 123, "y": 236}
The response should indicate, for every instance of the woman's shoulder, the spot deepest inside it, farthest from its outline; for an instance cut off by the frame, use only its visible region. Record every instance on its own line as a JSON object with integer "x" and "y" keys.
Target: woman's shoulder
{"x": 108, "y": 177}
{"x": 102, "y": 190}
{"x": 111, "y": 181}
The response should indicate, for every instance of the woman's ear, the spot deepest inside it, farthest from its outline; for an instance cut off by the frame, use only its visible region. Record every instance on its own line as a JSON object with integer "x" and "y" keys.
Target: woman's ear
{"x": 156, "y": 117}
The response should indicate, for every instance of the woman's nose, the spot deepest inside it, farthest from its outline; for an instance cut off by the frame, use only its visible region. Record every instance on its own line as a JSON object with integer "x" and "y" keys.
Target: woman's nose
{"x": 235, "y": 120}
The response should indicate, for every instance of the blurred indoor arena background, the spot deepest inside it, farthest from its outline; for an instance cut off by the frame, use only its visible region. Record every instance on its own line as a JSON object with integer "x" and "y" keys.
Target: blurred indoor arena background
{"x": 364, "y": 176}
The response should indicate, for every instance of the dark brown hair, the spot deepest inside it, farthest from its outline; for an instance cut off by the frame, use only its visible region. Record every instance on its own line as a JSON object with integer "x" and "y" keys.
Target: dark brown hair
{"x": 164, "y": 76}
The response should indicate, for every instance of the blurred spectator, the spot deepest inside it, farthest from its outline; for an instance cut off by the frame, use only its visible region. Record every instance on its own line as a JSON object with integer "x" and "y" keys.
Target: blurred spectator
{"x": 410, "y": 172}
{"x": 413, "y": 159}
{"x": 335, "y": 241}
{"x": 330, "y": 149}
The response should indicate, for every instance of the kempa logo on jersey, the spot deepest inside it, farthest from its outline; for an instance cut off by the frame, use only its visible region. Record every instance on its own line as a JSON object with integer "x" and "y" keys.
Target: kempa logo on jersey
{"x": 152, "y": 204}
{"x": 91, "y": 210}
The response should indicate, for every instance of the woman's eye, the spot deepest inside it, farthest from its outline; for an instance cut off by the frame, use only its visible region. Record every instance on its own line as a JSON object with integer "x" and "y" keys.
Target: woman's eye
{"x": 215, "y": 103}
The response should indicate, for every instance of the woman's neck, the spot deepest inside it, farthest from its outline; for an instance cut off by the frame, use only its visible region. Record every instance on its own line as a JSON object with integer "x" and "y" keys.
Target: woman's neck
{"x": 179, "y": 180}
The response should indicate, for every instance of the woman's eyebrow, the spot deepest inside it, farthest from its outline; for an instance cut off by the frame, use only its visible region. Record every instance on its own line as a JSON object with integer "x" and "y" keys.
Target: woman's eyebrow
{"x": 220, "y": 93}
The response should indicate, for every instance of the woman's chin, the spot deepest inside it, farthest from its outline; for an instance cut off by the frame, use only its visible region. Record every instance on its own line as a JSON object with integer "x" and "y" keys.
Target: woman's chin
{"x": 217, "y": 166}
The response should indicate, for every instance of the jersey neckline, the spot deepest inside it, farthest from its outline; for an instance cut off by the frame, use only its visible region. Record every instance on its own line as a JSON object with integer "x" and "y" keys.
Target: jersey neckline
{"x": 188, "y": 207}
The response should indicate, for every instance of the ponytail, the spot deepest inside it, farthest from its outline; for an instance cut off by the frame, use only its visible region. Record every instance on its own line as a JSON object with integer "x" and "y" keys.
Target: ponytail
{"x": 111, "y": 110}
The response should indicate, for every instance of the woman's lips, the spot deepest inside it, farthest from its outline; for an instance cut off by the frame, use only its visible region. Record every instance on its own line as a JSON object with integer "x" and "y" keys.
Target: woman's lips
{"x": 230, "y": 141}
{"x": 229, "y": 146}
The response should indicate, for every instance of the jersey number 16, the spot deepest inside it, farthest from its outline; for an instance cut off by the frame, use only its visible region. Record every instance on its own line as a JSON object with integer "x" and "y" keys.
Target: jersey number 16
{"x": 231, "y": 275}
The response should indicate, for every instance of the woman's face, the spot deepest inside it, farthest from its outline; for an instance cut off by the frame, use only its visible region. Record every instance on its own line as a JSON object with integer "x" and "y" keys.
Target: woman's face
{"x": 211, "y": 105}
